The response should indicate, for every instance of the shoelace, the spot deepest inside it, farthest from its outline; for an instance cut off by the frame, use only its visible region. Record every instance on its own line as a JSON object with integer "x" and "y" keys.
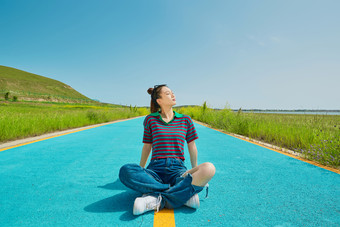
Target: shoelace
{"x": 206, "y": 192}
{"x": 158, "y": 202}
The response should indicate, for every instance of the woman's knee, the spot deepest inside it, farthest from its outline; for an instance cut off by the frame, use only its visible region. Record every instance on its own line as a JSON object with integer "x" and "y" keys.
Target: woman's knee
{"x": 209, "y": 169}
{"x": 127, "y": 169}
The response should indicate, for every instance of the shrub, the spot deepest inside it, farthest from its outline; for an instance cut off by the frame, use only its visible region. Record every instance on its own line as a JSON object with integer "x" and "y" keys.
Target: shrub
{"x": 92, "y": 116}
{"x": 204, "y": 107}
{"x": 7, "y": 96}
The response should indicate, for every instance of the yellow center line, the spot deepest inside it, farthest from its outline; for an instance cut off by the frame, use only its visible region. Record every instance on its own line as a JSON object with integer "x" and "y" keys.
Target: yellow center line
{"x": 164, "y": 217}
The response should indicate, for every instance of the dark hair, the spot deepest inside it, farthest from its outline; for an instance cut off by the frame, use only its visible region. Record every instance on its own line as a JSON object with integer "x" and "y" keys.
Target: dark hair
{"x": 155, "y": 94}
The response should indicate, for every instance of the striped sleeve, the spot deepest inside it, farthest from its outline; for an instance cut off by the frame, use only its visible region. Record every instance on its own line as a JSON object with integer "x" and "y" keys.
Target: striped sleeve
{"x": 191, "y": 132}
{"x": 147, "y": 138}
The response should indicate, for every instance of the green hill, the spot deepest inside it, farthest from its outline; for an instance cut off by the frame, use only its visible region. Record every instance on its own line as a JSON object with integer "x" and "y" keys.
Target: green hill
{"x": 31, "y": 87}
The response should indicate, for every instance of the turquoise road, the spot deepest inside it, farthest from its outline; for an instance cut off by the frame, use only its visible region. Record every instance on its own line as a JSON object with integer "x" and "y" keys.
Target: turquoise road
{"x": 72, "y": 180}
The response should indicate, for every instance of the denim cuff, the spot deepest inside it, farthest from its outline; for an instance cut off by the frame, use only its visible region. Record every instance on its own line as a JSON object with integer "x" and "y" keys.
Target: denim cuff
{"x": 197, "y": 188}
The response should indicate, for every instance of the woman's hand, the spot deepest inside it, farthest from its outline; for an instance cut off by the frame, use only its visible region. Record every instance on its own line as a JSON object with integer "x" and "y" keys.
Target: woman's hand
{"x": 184, "y": 174}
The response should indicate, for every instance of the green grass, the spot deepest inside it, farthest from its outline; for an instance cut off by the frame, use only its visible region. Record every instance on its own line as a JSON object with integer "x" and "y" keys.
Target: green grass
{"x": 29, "y": 86}
{"x": 20, "y": 120}
{"x": 316, "y": 137}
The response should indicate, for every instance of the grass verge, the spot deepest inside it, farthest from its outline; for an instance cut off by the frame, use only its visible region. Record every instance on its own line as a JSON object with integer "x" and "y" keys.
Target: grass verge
{"x": 315, "y": 137}
{"x": 21, "y": 120}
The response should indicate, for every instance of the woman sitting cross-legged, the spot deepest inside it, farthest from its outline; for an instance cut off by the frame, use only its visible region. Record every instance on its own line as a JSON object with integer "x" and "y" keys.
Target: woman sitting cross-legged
{"x": 166, "y": 182}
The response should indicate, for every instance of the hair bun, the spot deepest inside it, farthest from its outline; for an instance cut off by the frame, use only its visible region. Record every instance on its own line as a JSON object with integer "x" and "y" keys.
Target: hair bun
{"x": 150, "y": 91}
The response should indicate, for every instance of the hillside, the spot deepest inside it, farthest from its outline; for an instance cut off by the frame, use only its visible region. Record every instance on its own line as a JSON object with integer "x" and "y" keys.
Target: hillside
{"x": 31, "y": 87}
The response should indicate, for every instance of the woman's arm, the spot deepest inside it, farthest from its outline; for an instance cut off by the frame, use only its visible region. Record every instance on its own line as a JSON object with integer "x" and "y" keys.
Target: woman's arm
{"x": 193, "y": 158}
{"x": 145, "y": 154}
{"x": 193, "y": 153}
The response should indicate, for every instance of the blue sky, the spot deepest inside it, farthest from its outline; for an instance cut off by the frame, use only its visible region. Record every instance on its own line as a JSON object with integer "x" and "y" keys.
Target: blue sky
{"x": 249, "y": 54}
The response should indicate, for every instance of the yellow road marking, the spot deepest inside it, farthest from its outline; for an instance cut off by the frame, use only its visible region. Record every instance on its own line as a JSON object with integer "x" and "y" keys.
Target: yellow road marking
{"x": 62, "y": 134}
{"x": 34, "y": 141}
{"x": 273, "y": 149}
{"x": 164, "y": 217}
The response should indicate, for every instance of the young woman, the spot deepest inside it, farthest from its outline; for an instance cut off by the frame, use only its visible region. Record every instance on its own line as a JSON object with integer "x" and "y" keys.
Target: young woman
{"x": 166, "y": 182}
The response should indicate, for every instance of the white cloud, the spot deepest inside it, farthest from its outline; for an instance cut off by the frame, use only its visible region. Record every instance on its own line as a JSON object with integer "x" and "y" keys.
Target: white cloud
{"x": 251, "y": 37}
{"x": 275, "y": 39}
{"x": 256, "y": 40}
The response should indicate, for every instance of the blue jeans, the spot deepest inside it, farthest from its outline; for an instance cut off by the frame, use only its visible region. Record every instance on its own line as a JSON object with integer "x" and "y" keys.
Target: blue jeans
{"x": 161, "y": 177}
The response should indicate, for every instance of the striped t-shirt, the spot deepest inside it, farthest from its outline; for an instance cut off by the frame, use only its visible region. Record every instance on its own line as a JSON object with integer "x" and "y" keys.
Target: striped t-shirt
{"x": 168, "y": 139}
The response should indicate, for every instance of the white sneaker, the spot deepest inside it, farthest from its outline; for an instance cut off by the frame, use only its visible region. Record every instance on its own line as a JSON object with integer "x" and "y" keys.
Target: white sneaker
{"x": 193, "y": 202}
{"x": 146, "y": 203}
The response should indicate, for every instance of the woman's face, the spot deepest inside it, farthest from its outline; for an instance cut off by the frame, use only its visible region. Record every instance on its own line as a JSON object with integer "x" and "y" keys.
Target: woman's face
{"x": 168, "y": 98}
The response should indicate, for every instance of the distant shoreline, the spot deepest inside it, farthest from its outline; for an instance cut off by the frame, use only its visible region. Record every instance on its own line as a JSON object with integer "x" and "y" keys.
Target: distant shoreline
{"x": 259, "y": 110}
{"x": 316, "y": 112}
{"x": 265, "y": 110}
